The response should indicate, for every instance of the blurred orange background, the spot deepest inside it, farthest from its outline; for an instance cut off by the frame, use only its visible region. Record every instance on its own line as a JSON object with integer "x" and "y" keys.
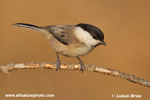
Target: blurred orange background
{"x": 125, "y": 24}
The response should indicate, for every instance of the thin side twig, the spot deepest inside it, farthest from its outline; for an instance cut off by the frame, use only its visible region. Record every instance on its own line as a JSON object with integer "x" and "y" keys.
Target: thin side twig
{"x": 66, "y": 66}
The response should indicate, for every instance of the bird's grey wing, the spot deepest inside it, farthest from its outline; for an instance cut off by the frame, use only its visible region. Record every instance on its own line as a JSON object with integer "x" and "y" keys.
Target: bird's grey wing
{"x": 62, "y": 33}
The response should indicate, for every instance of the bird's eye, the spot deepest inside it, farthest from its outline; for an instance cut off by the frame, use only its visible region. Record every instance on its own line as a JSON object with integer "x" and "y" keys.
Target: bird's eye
{"x": 62, "y": 35}
{"x": 95, "y": 37}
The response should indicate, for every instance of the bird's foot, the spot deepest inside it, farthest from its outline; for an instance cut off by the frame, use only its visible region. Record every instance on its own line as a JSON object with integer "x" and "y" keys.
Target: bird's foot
{"x": 58, "y": 64}
{"x": 82, "y": 69}
{"x": 81, "y": 65}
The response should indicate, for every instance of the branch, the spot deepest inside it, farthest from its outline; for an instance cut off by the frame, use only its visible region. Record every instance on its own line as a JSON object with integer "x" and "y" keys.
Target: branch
{"x": 65, "y": 66}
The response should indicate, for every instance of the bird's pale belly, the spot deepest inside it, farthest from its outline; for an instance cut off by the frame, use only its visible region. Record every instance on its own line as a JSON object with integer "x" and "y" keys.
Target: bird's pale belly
{"x": 76, "y": 52}
{"x": 71, "y": 51}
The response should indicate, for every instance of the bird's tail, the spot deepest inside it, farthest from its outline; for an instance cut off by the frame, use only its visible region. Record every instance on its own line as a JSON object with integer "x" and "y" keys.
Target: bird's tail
{"x": 31, "y": 27}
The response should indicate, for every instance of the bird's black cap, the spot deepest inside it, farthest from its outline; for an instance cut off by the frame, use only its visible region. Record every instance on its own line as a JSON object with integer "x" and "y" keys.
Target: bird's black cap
{"x": 93, "y": 30}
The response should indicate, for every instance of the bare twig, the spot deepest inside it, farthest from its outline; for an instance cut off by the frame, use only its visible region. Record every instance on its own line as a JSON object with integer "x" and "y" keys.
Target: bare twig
{"x": 65, "y": 66}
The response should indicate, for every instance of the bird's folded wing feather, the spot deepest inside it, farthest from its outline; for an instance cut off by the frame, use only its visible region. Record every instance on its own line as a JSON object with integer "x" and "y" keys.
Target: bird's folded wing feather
{"x": 62, "y": 33}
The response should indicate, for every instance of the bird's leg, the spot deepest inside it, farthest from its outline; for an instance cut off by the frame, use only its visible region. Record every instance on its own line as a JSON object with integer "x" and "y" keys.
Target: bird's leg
{"x": 81, "y": 64}
{"x": 58, "y": 62}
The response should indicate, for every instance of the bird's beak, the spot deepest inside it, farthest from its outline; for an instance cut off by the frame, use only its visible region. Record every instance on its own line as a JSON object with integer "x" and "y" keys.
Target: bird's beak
{"x": 103, "y": 43}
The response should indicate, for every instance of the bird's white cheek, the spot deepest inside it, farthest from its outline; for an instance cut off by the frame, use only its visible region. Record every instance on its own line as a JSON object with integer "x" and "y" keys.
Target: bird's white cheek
{"x": 85, "y": 37}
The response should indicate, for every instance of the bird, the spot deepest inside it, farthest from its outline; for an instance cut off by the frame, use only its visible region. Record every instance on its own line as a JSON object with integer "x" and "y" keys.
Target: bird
{"x": 70, "y": 40}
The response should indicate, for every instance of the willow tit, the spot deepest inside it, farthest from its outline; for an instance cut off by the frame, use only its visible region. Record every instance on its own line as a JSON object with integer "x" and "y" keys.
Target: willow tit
{"x": 70, "y": 40}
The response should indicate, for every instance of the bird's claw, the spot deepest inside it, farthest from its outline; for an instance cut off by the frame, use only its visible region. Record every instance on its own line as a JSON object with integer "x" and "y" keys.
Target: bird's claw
{"x": 82, "y": 69}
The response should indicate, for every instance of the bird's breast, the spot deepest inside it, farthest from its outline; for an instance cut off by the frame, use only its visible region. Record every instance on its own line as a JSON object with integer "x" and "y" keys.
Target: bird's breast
{"x": 74, "y": 51}
{"x": 71, "y": 50}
